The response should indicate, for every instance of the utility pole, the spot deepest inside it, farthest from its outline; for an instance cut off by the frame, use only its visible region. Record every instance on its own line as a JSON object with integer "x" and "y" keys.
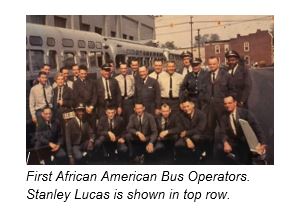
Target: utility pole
{"x": 199, "y": 43}
{"x": 191, "y": 23}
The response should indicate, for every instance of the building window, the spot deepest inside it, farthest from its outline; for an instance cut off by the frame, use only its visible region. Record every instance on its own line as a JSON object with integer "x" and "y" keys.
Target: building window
{"x": 217, "y": 49}
{"x": 130, "y": 38}
{"x": 247, "y": 60}
{"x": 113, "y": 34}
{"x": 59, "y": 22}
{"x": 98, "y": 30}
{"x": 39, "y": 19}
{"x": 124, "y": 36}
{"x": 226, "y": 47}
{"x": 246, "y": 46}
{"x": 85, "y": 27}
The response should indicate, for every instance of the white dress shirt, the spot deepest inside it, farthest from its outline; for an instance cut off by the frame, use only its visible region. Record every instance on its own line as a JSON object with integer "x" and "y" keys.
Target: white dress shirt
{"x": 164, "y": 81}
{"x": 185, "y": 71}
{"x": 129, "y": 84}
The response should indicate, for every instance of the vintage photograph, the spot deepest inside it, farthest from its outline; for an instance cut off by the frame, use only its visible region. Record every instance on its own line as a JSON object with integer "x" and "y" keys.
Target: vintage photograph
{"x": 152, "y": 90}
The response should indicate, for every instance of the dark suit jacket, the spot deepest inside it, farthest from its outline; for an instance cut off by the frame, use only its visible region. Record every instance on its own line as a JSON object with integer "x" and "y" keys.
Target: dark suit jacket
{"x": 195, "y": 125}
{"x": 148, "y": 93}
{"x": 173, "y": 125}
{"x": 191, "y": 86}
{"x": 114, "y": 90}
{"x": 84, "y": 92}
{"x": 242, "y": 83}
{"x": 118, "y": 129}
{"x": 74, "y": 136}
{"x": 216, "y": 91}
{"x": 67, "y": 97}
{"x": 44, "y": 134}
{"x": 149, "y": 128}
{"x": 227, "y": 131}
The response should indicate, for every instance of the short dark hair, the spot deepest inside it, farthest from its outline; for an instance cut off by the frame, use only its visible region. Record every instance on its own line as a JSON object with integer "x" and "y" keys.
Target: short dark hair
{"x": 45, "y": 65}
{"x": 187, "y": 99}
{"x": 110, "y": 107}
{"x": 123, "y": 63}
{"x": 171, "y": 61}
{"x": 158, "y": 60}
{"x": 138, "y": 102}
{"x": 73, "y": 65}
{"x": 46, "y": 107}
{"x": 231, "y": 95}
{"x": 41, "y": 73}
{"x": 165, "y": 105}
{"x": 214, "y": 57}
{"x": 63, "y": 68}
{"x": 133, "y": 60}
{"x": 83, "y": 67}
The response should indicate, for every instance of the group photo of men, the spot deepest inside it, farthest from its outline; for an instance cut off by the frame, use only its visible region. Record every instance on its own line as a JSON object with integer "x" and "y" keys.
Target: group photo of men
{"x": 142, "y": 115}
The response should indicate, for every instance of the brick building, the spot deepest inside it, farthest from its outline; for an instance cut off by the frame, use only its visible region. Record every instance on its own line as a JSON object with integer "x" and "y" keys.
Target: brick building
{"x": 254, "y": 48}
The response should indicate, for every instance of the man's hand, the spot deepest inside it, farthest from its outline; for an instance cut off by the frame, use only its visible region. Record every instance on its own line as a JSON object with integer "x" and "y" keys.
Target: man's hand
{"x": 261, "y": 149}
{"x": 183, "y": 134}
{"x": 89, "y": 109}
{"x": 54, "y": 147}
{"x": 119, "y": 110}
{"x": 90, "y": 145}
{"x": 141, "y": 136}
{"x": 190, "y": 143}
{"x": 111, "y": 136}
{"x": 163, "y": 133}
{"x": 60, "y": 102}
{"x": 150, "y": 148}
{"x": 34, "y": 120}
{"x": 121, "y": 140}
{"x": 227, "y": 147}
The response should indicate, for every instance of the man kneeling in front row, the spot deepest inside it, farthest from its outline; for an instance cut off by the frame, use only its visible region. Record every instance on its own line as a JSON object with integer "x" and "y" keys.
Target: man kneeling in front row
{"x": 142, "y": 134}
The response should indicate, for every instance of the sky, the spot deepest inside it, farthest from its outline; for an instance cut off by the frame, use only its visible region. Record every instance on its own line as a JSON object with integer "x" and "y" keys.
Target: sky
{"x": 177, "y": 27}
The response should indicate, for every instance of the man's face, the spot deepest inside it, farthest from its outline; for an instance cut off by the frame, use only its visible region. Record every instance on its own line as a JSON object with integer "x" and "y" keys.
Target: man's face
{"x": 75, "y": 70}
{"x": 196, "y": 68}
{"x": 110, "y": 113}
{"x": 171, "y": 68}
{"x": 230, "y": 104}
{"x": 213, "y": 64}
{"x": 123, "y": 69}
{"x": 80, "y": 113}
{"x": 188, "y": 107}
{"x": 60, "y": 81}
{"x": 186, "y": 61}
{"x": 232, "y": 62}
{"x": 134, "y": 66}
{"x": 47, "y": 114}
{"x": 143, "y": 72}
{"x": 139, "y": 109}
{"x": 105, "y": 74}
{"x": 82, "y": 74}
{"x": 165, "y": 111}
{"x": 42, "y": 79}
{"x": 65, "y": 73}
{"x": 46, "y": 69}
{"x": 158, "y": 66}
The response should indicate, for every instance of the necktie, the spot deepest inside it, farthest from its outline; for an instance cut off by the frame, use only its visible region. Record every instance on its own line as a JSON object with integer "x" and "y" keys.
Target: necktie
{"x": 171, "y": 87}
{"x": 232, "y": 72}
{"x": 107, "y": 89}
{"x": 157, "y": 76}
{"x": 44, "y": 94}
{"x": 213, "y": 80}
{"x": 60, "y": 93}
{"x": 110, "y": 125}
{"x": 140, "y": 124}
{"x": 49, "y": 125}
{"x": 214, "y": 77}
{"x": 188, "y": 70}
{"x": 234, "y": 124}
{"x": 166, "y": 124}
{"x": 80, "y": 125}
{"x": 125, "y": 86}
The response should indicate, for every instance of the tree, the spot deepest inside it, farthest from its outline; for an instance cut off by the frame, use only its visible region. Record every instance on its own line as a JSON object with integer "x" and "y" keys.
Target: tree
{"x": 169, "y": 45}
{"x": 206, "y": 38}
{"x": 214, "y": 37}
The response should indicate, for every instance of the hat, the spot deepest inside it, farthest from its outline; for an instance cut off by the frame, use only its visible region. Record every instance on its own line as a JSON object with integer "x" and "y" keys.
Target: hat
{"x": 106, "y": 67}
{"x": 232, "y": 53}
{"x": 186, "y": 54}
{"x": 196, "y": 61}
{"x": 80, "y": 106}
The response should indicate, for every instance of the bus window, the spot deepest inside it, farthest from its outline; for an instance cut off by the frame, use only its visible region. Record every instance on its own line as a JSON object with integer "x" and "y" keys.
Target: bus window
{"x": 119, "y": 59}
{"x": 92, "y": 59}
{"x": 99, "y": 59}
{"x": 27, "y": 61}
{"x": 82, "y": 59}
{"x": 35, "y": 41}
{"x": 68, "y": 59}
{"x": 107, "y": 57}
{"x": 52, "y": 59}
{"x": 37, "y": 59}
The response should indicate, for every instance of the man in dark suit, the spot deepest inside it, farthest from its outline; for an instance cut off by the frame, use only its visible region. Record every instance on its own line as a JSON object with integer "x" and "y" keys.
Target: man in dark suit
{"x": 142, "y": 133}
{"x": 134, "y": 66}
{"x": 84, "y": 92}
{"x": 192, "y": 139}
{"x": 62, "y": 98}
{"x": 168, "y": 125}
{"x": 192, "y": 83}
{"x": 234, "y": 142}
{"x": 240, "y": 78}
{"x": 79, "y": 136}
{"x": 217, "y": 84}
{"x": 111, "y": 134}
{"x": 107, "y": 91}
{"x": 187, "y": 59}
{"x": 48, "y": 135}
{"x": 147, "y": 91}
